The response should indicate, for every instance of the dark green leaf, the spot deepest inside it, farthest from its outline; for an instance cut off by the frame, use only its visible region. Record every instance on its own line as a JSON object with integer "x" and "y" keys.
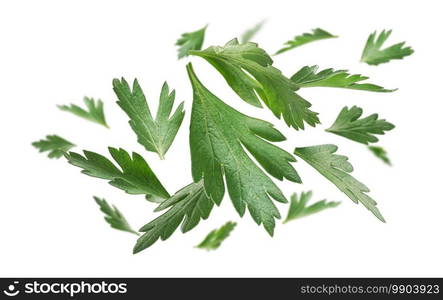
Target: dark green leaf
{"x": 316, "y": 35}
{"x": 361, "y": 130}
{"x": 55, "y": 145}
{"x": 380, "y": 153}
{"x": 298, "y": 208}
{"x": 94, "y": 112}
{"x": 190, "y": 41}
{"x": 113, "y": 216}
{"x": 219, "y": 139}
{"x": 238, "y": 62}
{"x": 135, "y": 176}
{"x": 307, "y": 77}
{"x": 374, "y": 55}
{"x": 156, "y": 135}
{"x": 214, "y": 239}
{"x": 187, "y": 207}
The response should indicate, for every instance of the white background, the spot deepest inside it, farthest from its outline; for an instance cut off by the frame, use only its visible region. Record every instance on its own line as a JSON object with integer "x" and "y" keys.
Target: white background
{"x": 56, "y": 52}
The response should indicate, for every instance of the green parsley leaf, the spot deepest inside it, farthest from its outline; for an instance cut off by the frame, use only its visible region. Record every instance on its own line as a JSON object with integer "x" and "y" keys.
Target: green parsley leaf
{"x": 190, "y": 41}
{"x": 316, "y": 35}
{"x": 135, "y": 176}
{"x": 187, "y": 207}
{"x": 113, "y": 216}
{"x": 336, "y": 169}
{"x": 373, "y": 55}
{"x": 362, "y": 130}
{"x": 298, "y": 208}
{"x": 380, "y": 153}
{"x": 250, "y": 33}
{"x": 94, "y": 112}
{"x": 214, "y": 239}
{"x": 155, "y": 135}
{"x": 238, "y": 62}
{"x": 219, "y": 136}
{"x": 307, "y": 77}
{"x": 57, "y": 146}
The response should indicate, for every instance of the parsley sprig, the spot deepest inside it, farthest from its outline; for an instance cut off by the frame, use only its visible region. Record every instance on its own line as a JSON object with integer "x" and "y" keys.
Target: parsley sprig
{"x": 232, "y": 153}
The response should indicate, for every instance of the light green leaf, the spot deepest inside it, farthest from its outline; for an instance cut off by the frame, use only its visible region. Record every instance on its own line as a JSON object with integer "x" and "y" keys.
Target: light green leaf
{"x": 156, "y": 135}
{"x": 219, "y": 138}
{"x": 298, "y": 208}
{"x": 190, "y": 41}
{"x": 94, "y": 112}
{"x": 380, "y": 153}
{"x": 215, "y": 238}
{"x": 238, "y": 62}
{"x": 374, "y": 55}
{"x": 307, "y": 77}
{"x": 316, "y": 35}
{"x": 134, "y": 176}
{"x": 113, "y": 216}
{"x": 55, "y": 145}
{"x": 361, "y": 130}
{"x": 250, "y": 33}
{"x": 187, "y": 207}
{"x": 336, "y": 169}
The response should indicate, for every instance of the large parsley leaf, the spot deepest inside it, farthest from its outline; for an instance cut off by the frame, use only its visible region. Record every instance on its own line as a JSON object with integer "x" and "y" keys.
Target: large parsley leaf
{"x": 336, "y": 169}
{"x": 361, "y": 130}
{"x": 190, "y": 41}
{"x": 134, "y": 176}
{"x": 157, "y": 134}
{"x": 238, "y": 62}
{"x": 54, "y": 144}
{"x": 307, "y": 77}
{"x": 374, "y": 55}
{"x": 94, "y": 112}
{"x": 298, "y": 206}
{"x": 215, "y": 238}
{"x": 316, "y": 35}
{"x": 219, "y": 137}
{"x": 113, "y": 216}
{"x": 187, "y": 207}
